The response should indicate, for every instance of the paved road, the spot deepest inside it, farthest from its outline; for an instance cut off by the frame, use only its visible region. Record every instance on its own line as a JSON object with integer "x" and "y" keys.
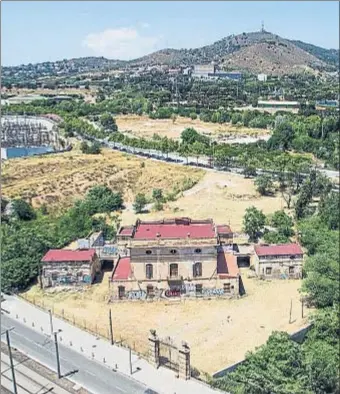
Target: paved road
{"x": 91, "y": 375}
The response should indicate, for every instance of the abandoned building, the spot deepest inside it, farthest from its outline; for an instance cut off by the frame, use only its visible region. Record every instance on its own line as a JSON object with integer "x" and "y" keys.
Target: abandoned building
{"x": 174, "y": 258}
{"x": 278, "y": 261}
{"x": 69, "y": 267}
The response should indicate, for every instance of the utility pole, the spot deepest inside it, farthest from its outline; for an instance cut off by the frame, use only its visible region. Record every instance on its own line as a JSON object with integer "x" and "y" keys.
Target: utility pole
{"x": 130, "y": 361}
{"x": 57, "y": 354}
{"x": 51, "y": 322}
{"x": 290, "y": 312}
{"x": 11, "y": 359}
{"x": 110, "y": 324}
{"x": 302, "y": 307}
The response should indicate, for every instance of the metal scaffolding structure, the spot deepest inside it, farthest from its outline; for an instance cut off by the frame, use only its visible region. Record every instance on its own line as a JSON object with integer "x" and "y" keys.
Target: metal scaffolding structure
{"x": 25, "y": 131}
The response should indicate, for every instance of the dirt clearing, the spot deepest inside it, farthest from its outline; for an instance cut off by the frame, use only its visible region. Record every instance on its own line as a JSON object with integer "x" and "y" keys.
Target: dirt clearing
{"x": 143, "y": 126}
{"x": 219, "y": 332}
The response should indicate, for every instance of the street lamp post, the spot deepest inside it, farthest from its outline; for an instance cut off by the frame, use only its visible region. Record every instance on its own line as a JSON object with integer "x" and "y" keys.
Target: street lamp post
{"x": 11, "y": 358}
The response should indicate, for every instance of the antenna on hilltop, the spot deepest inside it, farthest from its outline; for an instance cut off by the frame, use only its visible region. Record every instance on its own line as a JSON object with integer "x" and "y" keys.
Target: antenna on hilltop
{"x": 262, "y": 27}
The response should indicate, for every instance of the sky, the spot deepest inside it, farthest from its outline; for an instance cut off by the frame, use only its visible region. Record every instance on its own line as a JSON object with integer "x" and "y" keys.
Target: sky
{"x": 38, "y": 31}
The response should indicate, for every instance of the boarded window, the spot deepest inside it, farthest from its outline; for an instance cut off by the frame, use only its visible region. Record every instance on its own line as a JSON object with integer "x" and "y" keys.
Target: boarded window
{"x": 199, "y": 289}
{"x": 173, "y": 270}
{"x": 226, "y": 287}
{"x": 121, "y": 292}
{"x": 268, "y": 270}
{"x": 150, "y": 291}
{"x": 149, "y": 271}
{"x": 197, "y": 270}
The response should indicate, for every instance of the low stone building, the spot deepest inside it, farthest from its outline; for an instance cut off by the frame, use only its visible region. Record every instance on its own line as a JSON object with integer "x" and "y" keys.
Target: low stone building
{"x": 174, "y": 258}
{"x": 278, "y": 261}
{"x": 69, "y": 267}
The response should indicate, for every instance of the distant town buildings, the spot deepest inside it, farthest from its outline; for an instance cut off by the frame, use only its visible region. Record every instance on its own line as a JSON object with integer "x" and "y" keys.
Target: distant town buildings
{"x": 272, "y": 104}
{"x": 210, "y": 71}
{"x": 262, "y": 77}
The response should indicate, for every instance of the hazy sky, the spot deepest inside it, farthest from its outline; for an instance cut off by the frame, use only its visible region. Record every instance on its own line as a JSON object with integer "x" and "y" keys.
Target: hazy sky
{"x": 33, "y": 31}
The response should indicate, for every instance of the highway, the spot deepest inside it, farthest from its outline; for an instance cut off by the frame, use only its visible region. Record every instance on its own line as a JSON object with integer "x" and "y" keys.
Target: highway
{"x": 89, "y": 374}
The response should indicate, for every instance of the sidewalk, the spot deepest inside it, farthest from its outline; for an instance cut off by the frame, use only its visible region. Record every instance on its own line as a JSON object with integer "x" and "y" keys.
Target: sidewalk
{"x": 161, "y": 380}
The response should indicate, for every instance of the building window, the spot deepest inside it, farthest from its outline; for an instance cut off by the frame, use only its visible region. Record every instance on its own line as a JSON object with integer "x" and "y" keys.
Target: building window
{"x": 292, "y": 257}
{"x": 173, "y": 270}
{"x": 173, "y": 251}
{"x": 226, "y": 287}
{"x": 268, "y": 270}
{"x": 121, "y": 292}
{"x": 197, "y": 270}
{"x": 149, "y": 271}
{"x": 148, "y": 252}
{"x": 150, "y": 291}
{"x": 198, "y": 250}
{"x": 291, "y": 270}
{"x": 54, "y": 276}
{"x": 199, "y": 289}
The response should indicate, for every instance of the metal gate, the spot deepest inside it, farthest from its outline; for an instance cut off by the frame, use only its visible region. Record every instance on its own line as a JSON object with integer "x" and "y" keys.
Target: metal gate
{"x": 168, "y": 354}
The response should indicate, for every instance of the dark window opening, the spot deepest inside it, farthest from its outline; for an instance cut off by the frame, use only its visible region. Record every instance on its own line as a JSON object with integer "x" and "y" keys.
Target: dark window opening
{"x": 199, "y": 289}
{"x": 198, "y": 250}
{"x": 173, "y": 251}
{"x": 121, "y": 292}
{"x": 149, "y": 271}
{"x": 197, "y": 270}
{"x": 173, "y": 270}
{"x": 148, "y": 252}
{"x": 291, "y": 270}
{"x": 268, "y": 270}
{"x": 226, "y": 287}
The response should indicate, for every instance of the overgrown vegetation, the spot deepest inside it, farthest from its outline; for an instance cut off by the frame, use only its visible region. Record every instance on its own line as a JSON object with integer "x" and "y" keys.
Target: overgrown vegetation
{"x": 282, "y": 365}
{"x": 27, "y": 234}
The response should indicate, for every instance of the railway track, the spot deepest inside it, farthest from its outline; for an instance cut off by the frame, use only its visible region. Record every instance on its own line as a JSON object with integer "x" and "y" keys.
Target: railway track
{"x": 27, "y": 380}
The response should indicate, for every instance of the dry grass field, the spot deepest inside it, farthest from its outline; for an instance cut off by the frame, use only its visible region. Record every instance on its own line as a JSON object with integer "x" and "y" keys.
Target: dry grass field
{"x": 60, "y": 179}
{"x": 221, "y": 196}
{"x": 216, "y": 341}
{"x": 143, "y": 126}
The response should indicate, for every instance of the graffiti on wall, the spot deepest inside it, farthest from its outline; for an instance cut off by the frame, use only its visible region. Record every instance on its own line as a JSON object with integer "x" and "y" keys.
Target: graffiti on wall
{"x": 136, "y": 295}
{"x": 212, "y": 292}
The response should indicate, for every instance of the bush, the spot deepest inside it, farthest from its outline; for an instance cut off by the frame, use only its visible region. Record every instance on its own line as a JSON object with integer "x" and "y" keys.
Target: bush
{"x": 140, "y": 203}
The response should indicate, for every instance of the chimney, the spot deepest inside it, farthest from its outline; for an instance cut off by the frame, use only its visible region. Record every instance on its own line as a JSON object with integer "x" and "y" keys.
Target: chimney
{"x": 188, "y": 235}
{"x": 158, "y": 235}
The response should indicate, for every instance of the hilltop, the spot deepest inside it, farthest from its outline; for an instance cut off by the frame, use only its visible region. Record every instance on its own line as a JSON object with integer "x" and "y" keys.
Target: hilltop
{"x": 254, "y": 52}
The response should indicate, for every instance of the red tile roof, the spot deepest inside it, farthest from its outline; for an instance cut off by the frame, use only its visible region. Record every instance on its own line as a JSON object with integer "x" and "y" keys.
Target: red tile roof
{"x": 227, "y": 265}
{"x": 173, "y": 230}
{"x": 278, "y": 250}
{"x": 123, "y": 269}
{"x": 223, "y": 229}
{"x": 127, "y": 231}
{"x": 69, "y": 255}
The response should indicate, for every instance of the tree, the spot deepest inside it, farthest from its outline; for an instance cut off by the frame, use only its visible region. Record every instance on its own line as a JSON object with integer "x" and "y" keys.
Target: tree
{"x": 329, "y": 210}
{"x": 275, "y": 237}
{"x": 157, "y": 195}
{"x": 22, "y": 210}
{"x": 322, "y": 281}
{"x": 101, "y": 199}
{"x": 264, "y": 184}
{"x": 108, "y": 122}
{"x": 304, "y": 198}
{"x": 253, "y": 223}
{"x": 140, "y": 203}
{"x": 283, "y": 223}
{"x": 95, "y": 148}
{"x": 84, "y": 147}
{"x": 249, "y": 171}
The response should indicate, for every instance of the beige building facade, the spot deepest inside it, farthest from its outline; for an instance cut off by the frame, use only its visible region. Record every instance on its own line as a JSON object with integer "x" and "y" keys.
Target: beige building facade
{"x": 174, "y": 258}
{"x": 283, "y": 261}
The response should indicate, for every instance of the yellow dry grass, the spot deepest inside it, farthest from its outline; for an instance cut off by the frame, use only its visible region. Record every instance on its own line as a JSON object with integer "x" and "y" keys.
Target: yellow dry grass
{"x": 143, "y": 126}
{"x": 221, "y": 196}
{"x": 215, "y": 342}
{"x": 60, "y": 179}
